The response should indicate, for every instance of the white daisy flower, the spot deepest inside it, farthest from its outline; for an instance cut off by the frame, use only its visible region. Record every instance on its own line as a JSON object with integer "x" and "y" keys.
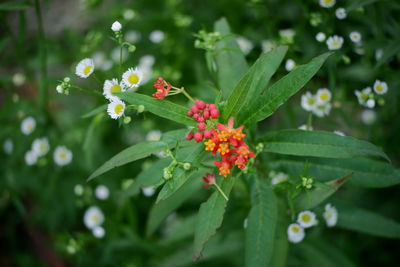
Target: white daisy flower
{"x": 305, "y": 128}
{"x": 327, "y": 3}
{"x": 148, "y": 191}
{"x": 154, "y": 135}
{"x": 295, "y": 233}
{"x": 365, "y": 97}
{"x": 98, "y": 232}
{"x": 245, "y": 45}
{"x": 278, "y": 178}
{"x": 116, "y": 109}
{"x": 157, "y": 36}
{"x": 41, "y": 146}
{"x": 339, "y": 133}
{"x": 306, "y": 219}
{"x": 341, "y": 13}
{"x": 18, "y": 79}
{"x": 62, "y": 156}
{"x": 102, "y": 192}
{"x": 355, "y": 37}
{"x": 380, "y": 87}
{"x": 320, "y": 37}
{"x": 323, "y": 96}
{"x": 334, "y": 42}
{"x": 308, "y": 101}
{"x": 267, "y": 46}
{"x": 132, "y": 77}
{"x": 147, "y": 61}
{"x": 133, "y": 36}
{"x": 110, "y": 87}
{"x": 116, "y": 26}
{"x": 28, "y": 125}
{"x": 84, "y": 68}
{"x": 290, "y": 64}
{"x": 30, "y": 158}
{"x": 8, "y": 146}
{"x": 368, "y": 116}
{"x": 78, "y": 190}
{"x": 93, "y": 217}
{"x": 330, "y": 215}
{"x": 322, "y": 110}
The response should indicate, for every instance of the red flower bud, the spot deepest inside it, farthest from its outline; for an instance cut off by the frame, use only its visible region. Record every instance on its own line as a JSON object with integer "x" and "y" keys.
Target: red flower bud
{"x": 194, "y": 109}
{"x": 214, "y": 114}
{"x": 190, "y": 113}
{"x": 201, "y": 126}
{"x": 200, "y": 104}
{"x": 198, "y": 137}
{"x": 189, "y": 136}
{"x": 200, "y": 119}
{"x": 207, "y": 134}
{"x": 206, "y": 114}
{"x": 212, "y": 107}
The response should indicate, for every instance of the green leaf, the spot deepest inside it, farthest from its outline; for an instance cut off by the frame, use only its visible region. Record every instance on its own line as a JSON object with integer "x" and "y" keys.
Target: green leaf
{"x": 365, "y": 221}
{"x": 180, "y": 229}
{"x": 163, "y": 208}
{"x": 130, "y": 154}
{"x": 162, "y": 108}
{"x": 281, "y": 91}
{"x": 319, "y": 193}
{"x": 231, "y": 63}
{"x": 318, "y": 144}
{"x": 193, "y": 155}
{"x": 281, "y": 243}
{"x": 253, "y": 82}
{"x": 367, "y": 172}
{"x": 139, "y": 151}
{"x": 210, "y": 217}
{"x": 95, "y": 111}
{"x": 262, "y": 221}
{"x": 15, "y": 5}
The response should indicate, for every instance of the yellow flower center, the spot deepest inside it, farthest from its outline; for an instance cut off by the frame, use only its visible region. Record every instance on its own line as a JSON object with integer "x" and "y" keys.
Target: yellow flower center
{"x": 87, "y": 69}
{"x": 63, "y": 155}
{"x": 379, "y": 88}
{"x": 324, "y": 96}
{"x": 306, "y": 218}
{"x": 295, "y": 229}
{"x": 335, "y": 43}
{"x": 133, "y": 79}
{"x": 119, "y": 108}
{"x": 95, "y": 218}
{"x": 311, "y": 101}
{"x": 115, "y": 88}
{"x": 327, "y": 2}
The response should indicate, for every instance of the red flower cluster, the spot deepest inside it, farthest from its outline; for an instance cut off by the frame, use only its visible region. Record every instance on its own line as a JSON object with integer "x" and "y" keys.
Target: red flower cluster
{"x": 162, "y": 87}
{"x": 222, "y": 139}
{"x": 202, "y": 112}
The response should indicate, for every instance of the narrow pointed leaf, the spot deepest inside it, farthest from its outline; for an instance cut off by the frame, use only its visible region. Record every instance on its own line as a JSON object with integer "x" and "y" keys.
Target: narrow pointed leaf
{"x": 281, "y": 91}
{"x": 318, "y": 144}
{"x": 262, "y": 219}
{"x": 210, "y": 217}
{"x": 162, "y": 108}
{"x": 254, "y": 81}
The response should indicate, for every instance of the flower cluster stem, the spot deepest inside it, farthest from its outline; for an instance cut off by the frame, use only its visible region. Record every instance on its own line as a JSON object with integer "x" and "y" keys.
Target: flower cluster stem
{"x": 221, "y": 192}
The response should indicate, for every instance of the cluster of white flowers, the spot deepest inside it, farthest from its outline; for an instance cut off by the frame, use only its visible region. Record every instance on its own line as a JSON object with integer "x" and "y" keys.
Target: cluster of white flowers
{"x": 28, "y": 125}
{"x": 319, "y": 104}
{"x": 278, "y": 177}
{"x": 40, "y": 147}
{"x": 334, "y": 42}
{"x": 307, "y": 219}
{"x": 93, "y": 219}
{"x": 366, "y": 97}
{"x": 267, "y": 45}
{"x": 341, "y": 13}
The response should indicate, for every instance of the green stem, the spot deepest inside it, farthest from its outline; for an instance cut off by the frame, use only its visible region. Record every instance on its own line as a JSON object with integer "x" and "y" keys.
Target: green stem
{"x": 97, "y": 79}
{"x": 309, "y": 122}
{"x": 187, "y": 95}
{"x": 120, "y": 60}
{"x": 222, "y": 192}
{"x": 43, "y": 58}
{"x": 86, "y": 91}
{"x": 291, "y": 206}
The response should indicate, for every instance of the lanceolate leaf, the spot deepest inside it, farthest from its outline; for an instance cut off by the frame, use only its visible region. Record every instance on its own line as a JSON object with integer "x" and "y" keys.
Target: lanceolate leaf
{"x": 365, "y": 221}
{"x": 367, "y": 172}
{"x": 162, "y": 108}
{"x": 319, "y": 193}
{"x": 210, "y": 217}
{"x": 318, "y": 144}
{"x": 254, "y": 81}
{"x": 231, "y": 64}
{"x": 162, "y": 209}
{"x": 262, "y": 219}
{"x": 139, "y": 151}
{"x": 263, "y": 106}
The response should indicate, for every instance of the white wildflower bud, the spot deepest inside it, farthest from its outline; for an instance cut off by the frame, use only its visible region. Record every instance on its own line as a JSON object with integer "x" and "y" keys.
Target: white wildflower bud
{"x": 116, "y": 26}
{"x": 127, "y": 120}
{"x": 187, "y": 166}
{"x": 167, "y": 174}
{"x": 67, "y": 79}
{"x": 140, "y": 108}
{"x": 131, "y": 48}
{"x": 59, "y": 89}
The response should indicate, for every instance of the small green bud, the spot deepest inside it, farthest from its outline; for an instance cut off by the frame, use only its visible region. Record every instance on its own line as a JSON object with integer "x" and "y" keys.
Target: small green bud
{"x": 187, "y": 166}
{"x": 127, "y": 120}
{"x": 140, "y": 108}
{"x": 381, "y": 101}
{"x": 132, "y": 48}
{"x": 67, "y": 79}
